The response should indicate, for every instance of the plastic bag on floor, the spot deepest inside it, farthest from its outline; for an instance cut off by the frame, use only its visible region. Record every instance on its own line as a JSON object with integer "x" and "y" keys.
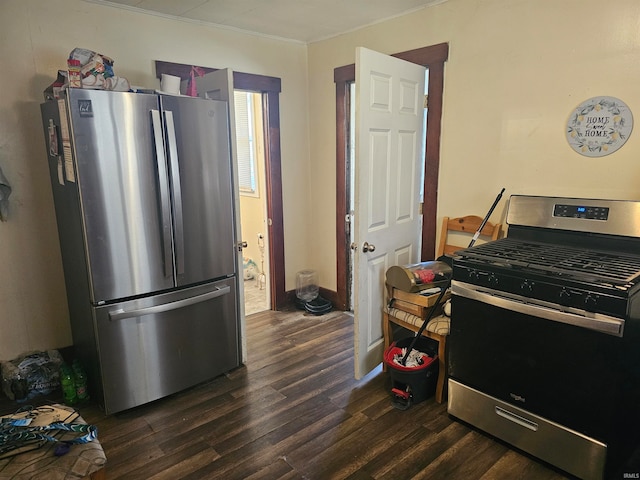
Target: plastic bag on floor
{"x": 31, "y": 374}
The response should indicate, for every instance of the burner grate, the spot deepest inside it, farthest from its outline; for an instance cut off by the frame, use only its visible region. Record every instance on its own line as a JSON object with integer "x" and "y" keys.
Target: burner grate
{"x": 592, "y": 265}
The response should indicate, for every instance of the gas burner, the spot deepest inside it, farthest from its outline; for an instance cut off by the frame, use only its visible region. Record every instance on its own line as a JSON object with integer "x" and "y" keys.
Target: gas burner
{"x": 558, "y": 260}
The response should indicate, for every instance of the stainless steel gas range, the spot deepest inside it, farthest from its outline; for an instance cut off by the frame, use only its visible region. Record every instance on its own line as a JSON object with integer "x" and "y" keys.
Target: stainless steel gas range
{"x": 545, "y": 333}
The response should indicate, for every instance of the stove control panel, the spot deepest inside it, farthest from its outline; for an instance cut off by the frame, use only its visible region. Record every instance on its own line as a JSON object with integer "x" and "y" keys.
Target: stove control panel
{"x": 608, "y": 217}
{"x": 554, "y": 293}
{"x": 580, "y": 211}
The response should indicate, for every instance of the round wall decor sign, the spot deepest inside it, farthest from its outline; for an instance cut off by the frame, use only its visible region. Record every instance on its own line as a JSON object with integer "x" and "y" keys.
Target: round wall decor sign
{"x": 599, "y": 126}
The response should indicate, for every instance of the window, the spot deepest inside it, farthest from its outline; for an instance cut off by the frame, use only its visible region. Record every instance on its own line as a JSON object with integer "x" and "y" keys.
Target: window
{"x": 246, "y": 145}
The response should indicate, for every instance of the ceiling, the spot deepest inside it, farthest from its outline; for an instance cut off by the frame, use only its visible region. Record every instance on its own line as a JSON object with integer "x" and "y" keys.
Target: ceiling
{"x": 300, "y": 20}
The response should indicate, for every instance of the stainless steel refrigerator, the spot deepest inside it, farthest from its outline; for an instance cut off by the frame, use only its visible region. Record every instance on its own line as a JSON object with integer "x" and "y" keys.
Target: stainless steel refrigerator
{"x": 143, "y": 193}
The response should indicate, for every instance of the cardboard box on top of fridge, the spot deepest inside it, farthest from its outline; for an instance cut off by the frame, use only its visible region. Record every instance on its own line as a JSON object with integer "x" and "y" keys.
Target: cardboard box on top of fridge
{"x": 52, "y": 92}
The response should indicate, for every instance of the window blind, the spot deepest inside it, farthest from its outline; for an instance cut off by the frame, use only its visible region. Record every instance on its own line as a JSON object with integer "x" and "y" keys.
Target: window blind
{"x": 245, "y": 142}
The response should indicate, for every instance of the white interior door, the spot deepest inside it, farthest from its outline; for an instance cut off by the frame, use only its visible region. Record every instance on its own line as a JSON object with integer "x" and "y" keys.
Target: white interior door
{"x": 388, "y": 172}
{"x": 218, "y": 85}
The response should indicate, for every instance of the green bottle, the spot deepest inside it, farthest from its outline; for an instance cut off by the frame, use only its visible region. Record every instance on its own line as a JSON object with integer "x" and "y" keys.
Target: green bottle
{"x": 80, "y": 381}
{"x": 68, "y": 384}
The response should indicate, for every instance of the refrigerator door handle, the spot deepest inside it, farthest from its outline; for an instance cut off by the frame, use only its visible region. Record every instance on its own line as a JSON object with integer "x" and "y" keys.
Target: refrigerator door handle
{"x": 177, "y": 193}
{"x": 122, "y": 314}
{"x": 165, "y": 208}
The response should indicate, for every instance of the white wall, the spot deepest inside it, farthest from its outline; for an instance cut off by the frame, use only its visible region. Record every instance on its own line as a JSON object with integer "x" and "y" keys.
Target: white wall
{"x": 516, "y": 70}
{"x": 36, "y": 38}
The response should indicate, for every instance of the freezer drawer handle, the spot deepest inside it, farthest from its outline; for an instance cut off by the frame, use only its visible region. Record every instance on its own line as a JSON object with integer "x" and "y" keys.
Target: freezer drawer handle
{"x": 121, "y": 314}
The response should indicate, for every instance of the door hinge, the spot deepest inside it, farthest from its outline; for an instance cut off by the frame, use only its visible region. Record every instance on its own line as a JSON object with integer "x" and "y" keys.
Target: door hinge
{"x": 426, "y": 101}
{"x": 420, "y": 207}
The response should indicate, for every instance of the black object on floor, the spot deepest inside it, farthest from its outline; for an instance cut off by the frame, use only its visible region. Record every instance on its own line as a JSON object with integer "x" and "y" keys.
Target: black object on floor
{"x": 317, "y": 306}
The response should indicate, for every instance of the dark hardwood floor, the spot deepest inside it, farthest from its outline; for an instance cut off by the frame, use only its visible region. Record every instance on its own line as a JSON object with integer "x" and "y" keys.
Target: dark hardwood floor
{"x": 294, "y": 411}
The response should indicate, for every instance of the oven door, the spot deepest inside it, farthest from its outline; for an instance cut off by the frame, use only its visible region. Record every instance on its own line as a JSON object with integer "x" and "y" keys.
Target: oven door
{"x": 552, "y": 363}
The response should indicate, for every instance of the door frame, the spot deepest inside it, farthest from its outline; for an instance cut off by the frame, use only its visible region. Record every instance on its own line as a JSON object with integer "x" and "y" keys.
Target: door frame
{"x": 270, "y": 88}
{"x": 433, "y": 58}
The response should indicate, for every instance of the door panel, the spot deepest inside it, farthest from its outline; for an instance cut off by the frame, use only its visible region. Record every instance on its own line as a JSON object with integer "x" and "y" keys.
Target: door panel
{"x": 388, "y": 173}
{"x": 120, "y": 184}
{"x": 200, "y": 166}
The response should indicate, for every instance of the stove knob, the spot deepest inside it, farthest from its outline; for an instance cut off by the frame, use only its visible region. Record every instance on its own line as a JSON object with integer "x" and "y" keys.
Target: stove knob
{"x": 473, "y": 275}
{"x": 526, "y": 287}
{"x": 591, "y": 300}
{"x": 493, "y": 279}
{"x": 564, "y": 295}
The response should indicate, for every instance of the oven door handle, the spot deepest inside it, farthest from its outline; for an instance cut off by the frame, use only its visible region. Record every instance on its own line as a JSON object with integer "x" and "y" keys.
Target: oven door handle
{"x": 516, "y": 303}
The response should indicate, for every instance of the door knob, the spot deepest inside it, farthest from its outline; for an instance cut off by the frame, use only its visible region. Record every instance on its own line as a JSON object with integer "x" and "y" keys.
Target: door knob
{"x": 368, "y": 247}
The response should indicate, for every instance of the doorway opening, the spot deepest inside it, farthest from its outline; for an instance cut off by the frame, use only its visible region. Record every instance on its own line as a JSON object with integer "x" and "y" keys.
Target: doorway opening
{"x": 250, "y": 142}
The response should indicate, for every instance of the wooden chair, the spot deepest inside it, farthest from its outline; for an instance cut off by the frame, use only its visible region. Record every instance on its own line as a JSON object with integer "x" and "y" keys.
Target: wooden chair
{"x": 468, "y": 226}
{"x": 410, "y": 310}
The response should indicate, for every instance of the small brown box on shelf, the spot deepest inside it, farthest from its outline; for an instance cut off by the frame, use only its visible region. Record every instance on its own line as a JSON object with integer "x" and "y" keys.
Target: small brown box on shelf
{"x": 423, "y": 300}
{"x": 414, "y": 303}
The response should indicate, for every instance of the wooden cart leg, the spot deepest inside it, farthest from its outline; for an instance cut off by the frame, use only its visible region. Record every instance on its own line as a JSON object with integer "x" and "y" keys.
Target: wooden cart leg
{"x": 386, "y": 333}
{"x": 442, "y": 366}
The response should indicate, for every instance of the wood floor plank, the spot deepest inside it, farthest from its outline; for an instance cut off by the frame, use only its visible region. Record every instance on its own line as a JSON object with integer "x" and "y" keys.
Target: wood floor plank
{"x": 181, "y": 460}
{"x": 252, "y": 429}
{"x": 512, "y": 465}
{"x": 478, "y": 455}
{"x": 341, "y": 457}
{"x": 189, "y": 419}
{"x": 278, "y": 469}
{"x": 317, "y": 438}
{"x": 237, "y": 464}
{"x": 221, "y": 425}
{"x": 415, "y": 452}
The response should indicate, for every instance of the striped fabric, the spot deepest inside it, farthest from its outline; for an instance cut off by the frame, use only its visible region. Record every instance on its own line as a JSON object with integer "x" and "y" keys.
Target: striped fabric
{"x": 439, "y": 324}
{"x": 81, "y": 461}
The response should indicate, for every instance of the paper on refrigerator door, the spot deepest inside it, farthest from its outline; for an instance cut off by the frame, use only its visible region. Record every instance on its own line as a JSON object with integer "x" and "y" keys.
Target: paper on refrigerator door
{"x": 66, "y": 143}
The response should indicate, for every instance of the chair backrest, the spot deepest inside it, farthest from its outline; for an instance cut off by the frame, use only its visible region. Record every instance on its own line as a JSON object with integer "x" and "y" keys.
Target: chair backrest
{"x": 467, "y": 226}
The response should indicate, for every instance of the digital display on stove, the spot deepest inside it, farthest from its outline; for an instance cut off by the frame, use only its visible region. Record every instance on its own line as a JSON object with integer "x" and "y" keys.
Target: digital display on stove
{"x": 579, "y": 211}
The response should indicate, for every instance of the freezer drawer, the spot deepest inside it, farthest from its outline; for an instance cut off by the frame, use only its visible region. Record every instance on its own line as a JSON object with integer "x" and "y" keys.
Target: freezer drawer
{"x": 153, "y": 347}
